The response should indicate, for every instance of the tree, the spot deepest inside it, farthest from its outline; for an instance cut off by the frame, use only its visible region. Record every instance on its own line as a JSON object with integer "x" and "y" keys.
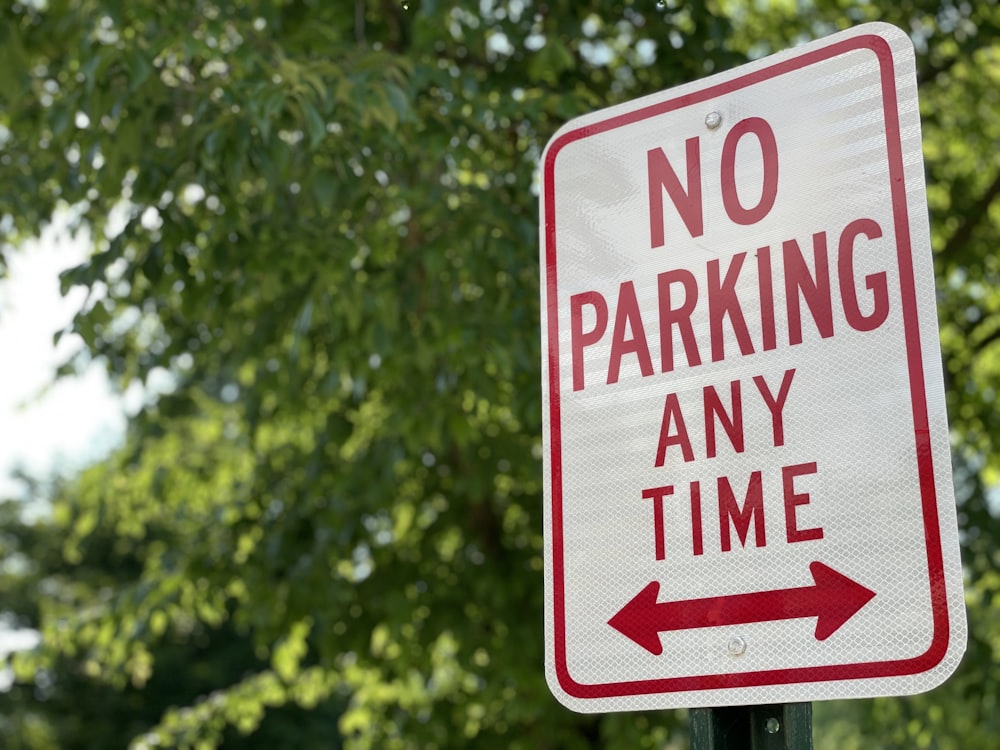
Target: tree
{"x": 72, "y": 703}
{"x": 315, "y": 245}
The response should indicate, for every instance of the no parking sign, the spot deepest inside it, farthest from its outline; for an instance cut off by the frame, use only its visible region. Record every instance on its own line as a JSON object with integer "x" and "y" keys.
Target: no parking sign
{"x": 747, "y": 471}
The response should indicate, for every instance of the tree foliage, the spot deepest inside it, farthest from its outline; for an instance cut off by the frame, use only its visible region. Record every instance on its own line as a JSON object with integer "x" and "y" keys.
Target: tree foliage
{"x": 315, "y": 245}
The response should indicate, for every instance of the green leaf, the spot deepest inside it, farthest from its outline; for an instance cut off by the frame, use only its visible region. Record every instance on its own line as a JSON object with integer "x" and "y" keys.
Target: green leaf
{"x": 400, "y": 102}
{"x": 139, "y": 68}
{"x": 325, "y": 188}
{"x": 314, "y": 123}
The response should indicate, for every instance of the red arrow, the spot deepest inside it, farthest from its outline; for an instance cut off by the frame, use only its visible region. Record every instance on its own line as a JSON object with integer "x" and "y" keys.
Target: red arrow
{"x": 833, "y": 600}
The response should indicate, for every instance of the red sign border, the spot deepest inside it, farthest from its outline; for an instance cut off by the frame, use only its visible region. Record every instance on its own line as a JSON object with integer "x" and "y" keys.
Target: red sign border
{"x": 922, "y": 440}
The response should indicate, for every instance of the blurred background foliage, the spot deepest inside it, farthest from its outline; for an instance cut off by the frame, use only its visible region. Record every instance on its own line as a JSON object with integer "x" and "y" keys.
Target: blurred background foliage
{"x": 314, "y": 234}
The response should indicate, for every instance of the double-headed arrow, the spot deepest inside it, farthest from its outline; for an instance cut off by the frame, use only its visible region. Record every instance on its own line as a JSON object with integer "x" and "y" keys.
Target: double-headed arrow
{"x": 833, "y": 600}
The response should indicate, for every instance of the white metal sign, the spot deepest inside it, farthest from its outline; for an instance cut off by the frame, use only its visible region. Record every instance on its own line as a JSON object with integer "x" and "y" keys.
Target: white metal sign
{"x": 747, "y": 471}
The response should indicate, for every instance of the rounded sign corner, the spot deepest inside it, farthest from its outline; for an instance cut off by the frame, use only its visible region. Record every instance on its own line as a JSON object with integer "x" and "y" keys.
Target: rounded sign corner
{"x": 947, "y": 651}
{"x": 887, "y": 31}
{"x": 571, "y": 694}
{"x": 564, "y": 135}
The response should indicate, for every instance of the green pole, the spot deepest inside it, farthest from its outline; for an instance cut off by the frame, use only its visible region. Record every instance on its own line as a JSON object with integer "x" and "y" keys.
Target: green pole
{"x": 781, "y": 726}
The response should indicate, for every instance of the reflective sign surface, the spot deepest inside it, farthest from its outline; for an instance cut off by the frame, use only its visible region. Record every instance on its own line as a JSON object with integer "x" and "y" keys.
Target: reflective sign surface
{"x": 747, "y": 473}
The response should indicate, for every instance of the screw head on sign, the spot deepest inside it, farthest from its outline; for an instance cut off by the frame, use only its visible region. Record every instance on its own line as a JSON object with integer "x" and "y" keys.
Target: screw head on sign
{"x": 772, "y": 726}
{"x": 737, "y": 645}
{"x": 713, "y": 120}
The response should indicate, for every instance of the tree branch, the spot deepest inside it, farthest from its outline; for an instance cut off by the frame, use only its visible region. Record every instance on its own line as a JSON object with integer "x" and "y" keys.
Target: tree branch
{"x": 359, "y": 21}
{"x": 972, "y": 218}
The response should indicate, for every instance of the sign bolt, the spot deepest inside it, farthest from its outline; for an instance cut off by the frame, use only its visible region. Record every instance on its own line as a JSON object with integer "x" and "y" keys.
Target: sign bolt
{"x": 772, "y": 726}
{"x": 737, "y": 645}
{"x": 713, "y": 120}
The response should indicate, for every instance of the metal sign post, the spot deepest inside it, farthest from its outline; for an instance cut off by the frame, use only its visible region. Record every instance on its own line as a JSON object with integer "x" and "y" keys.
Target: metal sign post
{"x": 783, "y": 726}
